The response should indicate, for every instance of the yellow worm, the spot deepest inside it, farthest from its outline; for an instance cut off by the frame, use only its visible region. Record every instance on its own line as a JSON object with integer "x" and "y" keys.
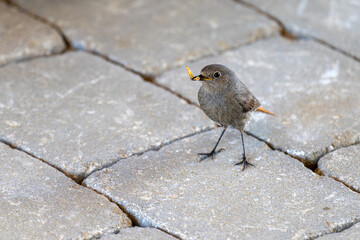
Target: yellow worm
{"x": 189, "y": 72}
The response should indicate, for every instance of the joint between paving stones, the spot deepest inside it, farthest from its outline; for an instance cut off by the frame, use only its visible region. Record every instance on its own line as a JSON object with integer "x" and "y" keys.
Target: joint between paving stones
{"x": 26, "y": 59}
{"x": 21, "y": 149}
{"x": 272, "y": 147}
{"x": 13, "y": 146}
{"x": 171, "y": 234}
{"x": 338, "y": 180}
{"x": 319, "y": 172}
{"x": 146, "y": 78}
{"x": 80, "y": 179}
{"x": 312, "y": 167}
{"x": 135, "y": 222}
{"x": 328, "y": 45}
{"x": 119, "y": 231}
{"x": 174, "y": 93}
{"x": 345, "y": 227}
{"x": 43, "y": 21}
{"x": 46, "y": 22}
{"x": 151, "y": 149}
{"x": 99, "y": 236}
{"x": 291, "y": 35}
{"x": 284, "y": 32}
{"x": 230, "y": 49}
{"x": 328, "y": 151}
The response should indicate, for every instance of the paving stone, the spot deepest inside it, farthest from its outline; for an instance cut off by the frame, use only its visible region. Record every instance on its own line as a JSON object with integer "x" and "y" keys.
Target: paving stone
{"x": 151, "y": 36}
{"x": 79, "y": 112}
{"x": 39, "y": 202}
{"x": 137, "y": 233}
{"x": 24, "y": 37}
{"x": 343, "y": 165}
{"x": 312, "y": 89}
{"x": 348, "y": 234}
{"x": 279, "y": 198}
{"x": 335, "y": 22}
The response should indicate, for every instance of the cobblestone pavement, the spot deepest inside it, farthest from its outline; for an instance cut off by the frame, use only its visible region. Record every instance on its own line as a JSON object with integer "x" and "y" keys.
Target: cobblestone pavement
{"x": 100, "y": 125}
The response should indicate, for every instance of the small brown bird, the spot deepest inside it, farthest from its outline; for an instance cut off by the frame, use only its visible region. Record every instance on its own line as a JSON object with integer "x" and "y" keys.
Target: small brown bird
{"x": 227, "y": 101}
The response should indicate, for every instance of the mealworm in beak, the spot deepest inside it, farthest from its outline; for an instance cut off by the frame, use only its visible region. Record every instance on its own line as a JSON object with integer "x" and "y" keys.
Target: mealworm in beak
{"x": 190, "y": 73}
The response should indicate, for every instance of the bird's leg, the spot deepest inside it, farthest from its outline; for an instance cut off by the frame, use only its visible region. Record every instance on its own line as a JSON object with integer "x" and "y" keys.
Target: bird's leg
{"x": 244, "y": 162}
{"x": 213, "y": 152}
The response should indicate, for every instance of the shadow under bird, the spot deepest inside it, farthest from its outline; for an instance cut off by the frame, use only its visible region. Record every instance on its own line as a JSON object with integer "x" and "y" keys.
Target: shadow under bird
{"x": 226, "y": 101}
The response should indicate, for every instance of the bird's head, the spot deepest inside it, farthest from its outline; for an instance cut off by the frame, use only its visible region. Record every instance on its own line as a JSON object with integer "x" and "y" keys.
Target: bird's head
{"x": 214, "y": 74}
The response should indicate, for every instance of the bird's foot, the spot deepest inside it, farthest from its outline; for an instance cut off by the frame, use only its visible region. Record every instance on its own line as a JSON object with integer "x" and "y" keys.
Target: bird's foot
{"x": 210, "y": 154}
{"x": 244, "y": 162}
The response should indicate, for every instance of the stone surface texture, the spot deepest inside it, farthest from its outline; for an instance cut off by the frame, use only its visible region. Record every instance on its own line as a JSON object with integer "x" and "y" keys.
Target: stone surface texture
{"x": 150, "y": 36}
{"x": 137, "y": 233}
{"x": 279, "y": 198}
{"x": 335, "y": 22}
{"x": 39, "y": 202}
{"x": 343, "y": 165}
{"x": 102, "y": 135}
{"x": 79, "y": 112}
{"x": 349, "y": 234}
{"x": 312, "y": 89}
{"x": 23, "y": 37}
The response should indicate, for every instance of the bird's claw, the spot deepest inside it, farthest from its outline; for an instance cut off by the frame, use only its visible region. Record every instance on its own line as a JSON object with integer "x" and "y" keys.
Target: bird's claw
{"x": 244, "y": 162}
{"x": 210, "y": 154}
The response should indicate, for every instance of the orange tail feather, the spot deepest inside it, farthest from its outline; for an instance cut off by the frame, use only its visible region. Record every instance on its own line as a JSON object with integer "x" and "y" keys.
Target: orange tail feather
{"x": 260, "y": 109}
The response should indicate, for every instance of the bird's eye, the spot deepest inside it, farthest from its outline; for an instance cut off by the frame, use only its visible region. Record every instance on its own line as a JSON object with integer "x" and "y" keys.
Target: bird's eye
{"x": 217, "y": 74}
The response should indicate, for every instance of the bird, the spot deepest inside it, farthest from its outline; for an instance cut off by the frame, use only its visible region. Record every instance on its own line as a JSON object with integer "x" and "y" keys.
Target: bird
{"x": 227, "y": 101}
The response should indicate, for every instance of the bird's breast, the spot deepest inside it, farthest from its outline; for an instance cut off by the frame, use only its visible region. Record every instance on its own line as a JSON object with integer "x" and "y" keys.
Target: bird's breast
{"x": 223, "y": 108}
{"x": 213, "y": 105}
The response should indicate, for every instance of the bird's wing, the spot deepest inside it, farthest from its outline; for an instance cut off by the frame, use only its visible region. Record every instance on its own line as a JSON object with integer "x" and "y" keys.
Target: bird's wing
{"x": 247, "y": 101}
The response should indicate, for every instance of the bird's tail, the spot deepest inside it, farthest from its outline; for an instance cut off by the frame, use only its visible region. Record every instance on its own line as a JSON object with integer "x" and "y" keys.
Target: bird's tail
{"x": 260, "y": 109}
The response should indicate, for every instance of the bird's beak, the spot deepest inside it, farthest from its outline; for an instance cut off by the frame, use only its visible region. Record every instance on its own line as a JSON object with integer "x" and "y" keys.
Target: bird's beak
{"x": 198, "y": 77}
{"x": 201, "y": 78}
